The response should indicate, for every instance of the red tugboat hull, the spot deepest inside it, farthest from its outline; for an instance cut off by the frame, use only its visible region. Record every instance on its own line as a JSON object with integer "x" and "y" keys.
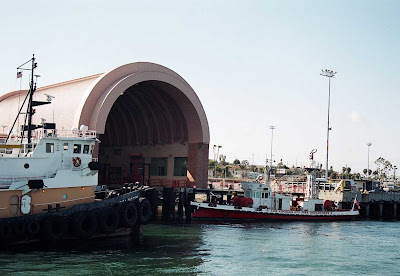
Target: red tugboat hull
{"x": 249, "y": 214}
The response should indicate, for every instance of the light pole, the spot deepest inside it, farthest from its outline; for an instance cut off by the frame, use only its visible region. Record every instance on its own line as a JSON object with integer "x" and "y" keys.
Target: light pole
{"x": 3, "y": 126}
{"x": 330, "y": 74}
{"x": 216, "y": 150}
{"x": 369, "y": 145}
{"x": 272, "y": 138}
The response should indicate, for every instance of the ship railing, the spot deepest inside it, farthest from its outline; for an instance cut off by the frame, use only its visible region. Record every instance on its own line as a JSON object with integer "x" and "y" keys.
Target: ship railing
{"x": 41, "y": 133}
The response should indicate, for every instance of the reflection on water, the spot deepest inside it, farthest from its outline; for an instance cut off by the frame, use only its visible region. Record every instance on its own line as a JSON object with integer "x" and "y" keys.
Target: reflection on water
{"x": 220, "y": 249}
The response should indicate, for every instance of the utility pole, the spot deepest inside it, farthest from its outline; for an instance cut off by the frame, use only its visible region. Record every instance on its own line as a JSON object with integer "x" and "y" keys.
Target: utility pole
{"x": 272, "y": 139}
{"x": 329, "y": 74}
{"x": 369, "y": 145}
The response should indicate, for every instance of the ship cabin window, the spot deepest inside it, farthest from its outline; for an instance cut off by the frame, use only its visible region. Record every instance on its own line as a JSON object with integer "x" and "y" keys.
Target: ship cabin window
{"x": 77, "y": 148}
{"x": 50, "y": 147}
{"x": 117, "y": 151}
{"x": 65, "y": 146}
{"x": 247, "y": 193}
{"x": 264, "y": 195}
{"x": 86, "y": 149}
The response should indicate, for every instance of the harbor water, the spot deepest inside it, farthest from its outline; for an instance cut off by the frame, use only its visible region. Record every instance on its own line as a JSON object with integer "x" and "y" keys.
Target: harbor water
{"x": 295, "y": 248}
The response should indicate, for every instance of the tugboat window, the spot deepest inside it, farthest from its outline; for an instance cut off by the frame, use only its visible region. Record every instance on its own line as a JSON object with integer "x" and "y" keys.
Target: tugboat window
{"x": 49, "y": 147}
{"x": 86, "y": 149}
{"x": 77, "y": 148}
{"x": 65, "y": 146}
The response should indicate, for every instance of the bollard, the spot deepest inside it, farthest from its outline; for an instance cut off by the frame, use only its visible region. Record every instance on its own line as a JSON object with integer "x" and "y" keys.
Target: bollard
{"x": 180, "y": 207}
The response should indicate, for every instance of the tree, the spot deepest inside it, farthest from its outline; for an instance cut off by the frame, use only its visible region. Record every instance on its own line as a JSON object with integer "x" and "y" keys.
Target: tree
{"x": 244, "y": 164}
{"x": 236, "y": 162}
{"x": 383, "y": 168}
{"x": 211, "y": 163}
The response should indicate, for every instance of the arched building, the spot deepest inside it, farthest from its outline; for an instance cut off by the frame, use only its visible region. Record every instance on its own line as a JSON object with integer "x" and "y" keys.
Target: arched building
{"x": 150, "y": 122}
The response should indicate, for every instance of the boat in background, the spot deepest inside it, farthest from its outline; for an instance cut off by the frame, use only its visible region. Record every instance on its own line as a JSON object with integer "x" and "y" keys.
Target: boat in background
{"x": 261, "y": 203}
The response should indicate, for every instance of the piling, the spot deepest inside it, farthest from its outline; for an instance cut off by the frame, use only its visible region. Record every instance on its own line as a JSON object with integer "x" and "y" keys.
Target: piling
{"x": 168, "y": 204}
{"x": 188, "y": 208}
{"x": 380, "y": 209}
{"x": 180, "y": 205}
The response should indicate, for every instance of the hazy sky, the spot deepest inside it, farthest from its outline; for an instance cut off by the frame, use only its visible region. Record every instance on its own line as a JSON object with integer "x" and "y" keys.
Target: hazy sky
{"x": 252, "y": 63}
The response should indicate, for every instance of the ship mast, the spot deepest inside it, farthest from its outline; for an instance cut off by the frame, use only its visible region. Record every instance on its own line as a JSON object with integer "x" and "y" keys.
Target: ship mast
{"x": 32, "y": 89}
{"x": 28, "y": 126}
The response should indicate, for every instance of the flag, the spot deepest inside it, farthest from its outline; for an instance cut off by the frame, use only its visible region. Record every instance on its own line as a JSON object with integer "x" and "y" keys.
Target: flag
{"x": 356, "y": 203}
{"x": 19, "y": 74}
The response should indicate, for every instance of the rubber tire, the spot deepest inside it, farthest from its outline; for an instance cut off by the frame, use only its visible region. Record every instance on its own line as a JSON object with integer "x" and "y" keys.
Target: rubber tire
{"x": 33, "y": 227}
{"x": 108, "y": 220}
{"x": 53, "y": 228}
{"x": 6, "y": 231}
{"x": 84, "y": 225}
{"x": 127, "y": 214}
{"x": 19, "y": 227}
{"x": 144, "y": 210}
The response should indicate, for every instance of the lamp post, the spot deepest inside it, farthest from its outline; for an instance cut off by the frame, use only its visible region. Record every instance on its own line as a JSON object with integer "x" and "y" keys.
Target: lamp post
{"x": 369, "y": 145}
{"x": 3, "y": 126}
{"x": 272, "y": 138}
{"x": 329, "y": 74}
{"x": 216, "y": 151}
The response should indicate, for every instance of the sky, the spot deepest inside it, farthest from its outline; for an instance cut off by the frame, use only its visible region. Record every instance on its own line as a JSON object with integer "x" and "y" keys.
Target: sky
{"x": 253, "y": 64}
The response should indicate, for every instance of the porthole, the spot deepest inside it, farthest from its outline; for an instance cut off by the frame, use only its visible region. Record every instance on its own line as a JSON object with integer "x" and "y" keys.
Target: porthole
{"x": 65, "y": 196}
{"x": 26, "y": 166}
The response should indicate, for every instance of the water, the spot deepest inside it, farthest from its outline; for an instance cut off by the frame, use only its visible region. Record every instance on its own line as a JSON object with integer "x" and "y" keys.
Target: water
{"x": 297, "y": 248}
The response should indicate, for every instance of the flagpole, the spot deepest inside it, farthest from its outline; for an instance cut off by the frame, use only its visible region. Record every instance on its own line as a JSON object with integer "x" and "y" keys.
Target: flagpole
{"x": 354, "y": 203}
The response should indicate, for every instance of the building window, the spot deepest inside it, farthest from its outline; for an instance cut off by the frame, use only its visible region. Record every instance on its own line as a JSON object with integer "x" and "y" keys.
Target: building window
{"x": 86, "y": 149}
{"x": 180, "y": 166}
{"x": 77, "y": 148}
{"x": 158, "y": 166}
{"x": 49, "y": 147}
{"x": 117, "y": 151}
{"x": 115, "y": 172}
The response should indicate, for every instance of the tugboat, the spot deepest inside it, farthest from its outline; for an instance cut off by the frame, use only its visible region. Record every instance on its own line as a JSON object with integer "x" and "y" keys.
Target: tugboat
{"x": 48, "y": 183}
{"x": 261, "y": 203}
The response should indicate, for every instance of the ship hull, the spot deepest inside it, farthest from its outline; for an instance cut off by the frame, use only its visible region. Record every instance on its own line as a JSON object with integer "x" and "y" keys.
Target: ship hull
{"x": 221, "y": 212}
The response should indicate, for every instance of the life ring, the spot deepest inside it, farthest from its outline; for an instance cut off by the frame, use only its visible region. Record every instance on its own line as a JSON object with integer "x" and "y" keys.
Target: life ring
{"x": 108, "y": 220}
{"x": 53, "y": 228}
{"x": 19, "y": 227}
{"x": 5, "y": 231}
{"x": 84, "y": 225}
{"x": 127, "y": 214}
{"x": 76, "y": 161}
{"x": 144, "y": 210}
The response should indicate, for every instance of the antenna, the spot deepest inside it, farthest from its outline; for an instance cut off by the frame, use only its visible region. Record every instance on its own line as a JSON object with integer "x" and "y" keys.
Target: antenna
{"x": 49, "y": 99}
